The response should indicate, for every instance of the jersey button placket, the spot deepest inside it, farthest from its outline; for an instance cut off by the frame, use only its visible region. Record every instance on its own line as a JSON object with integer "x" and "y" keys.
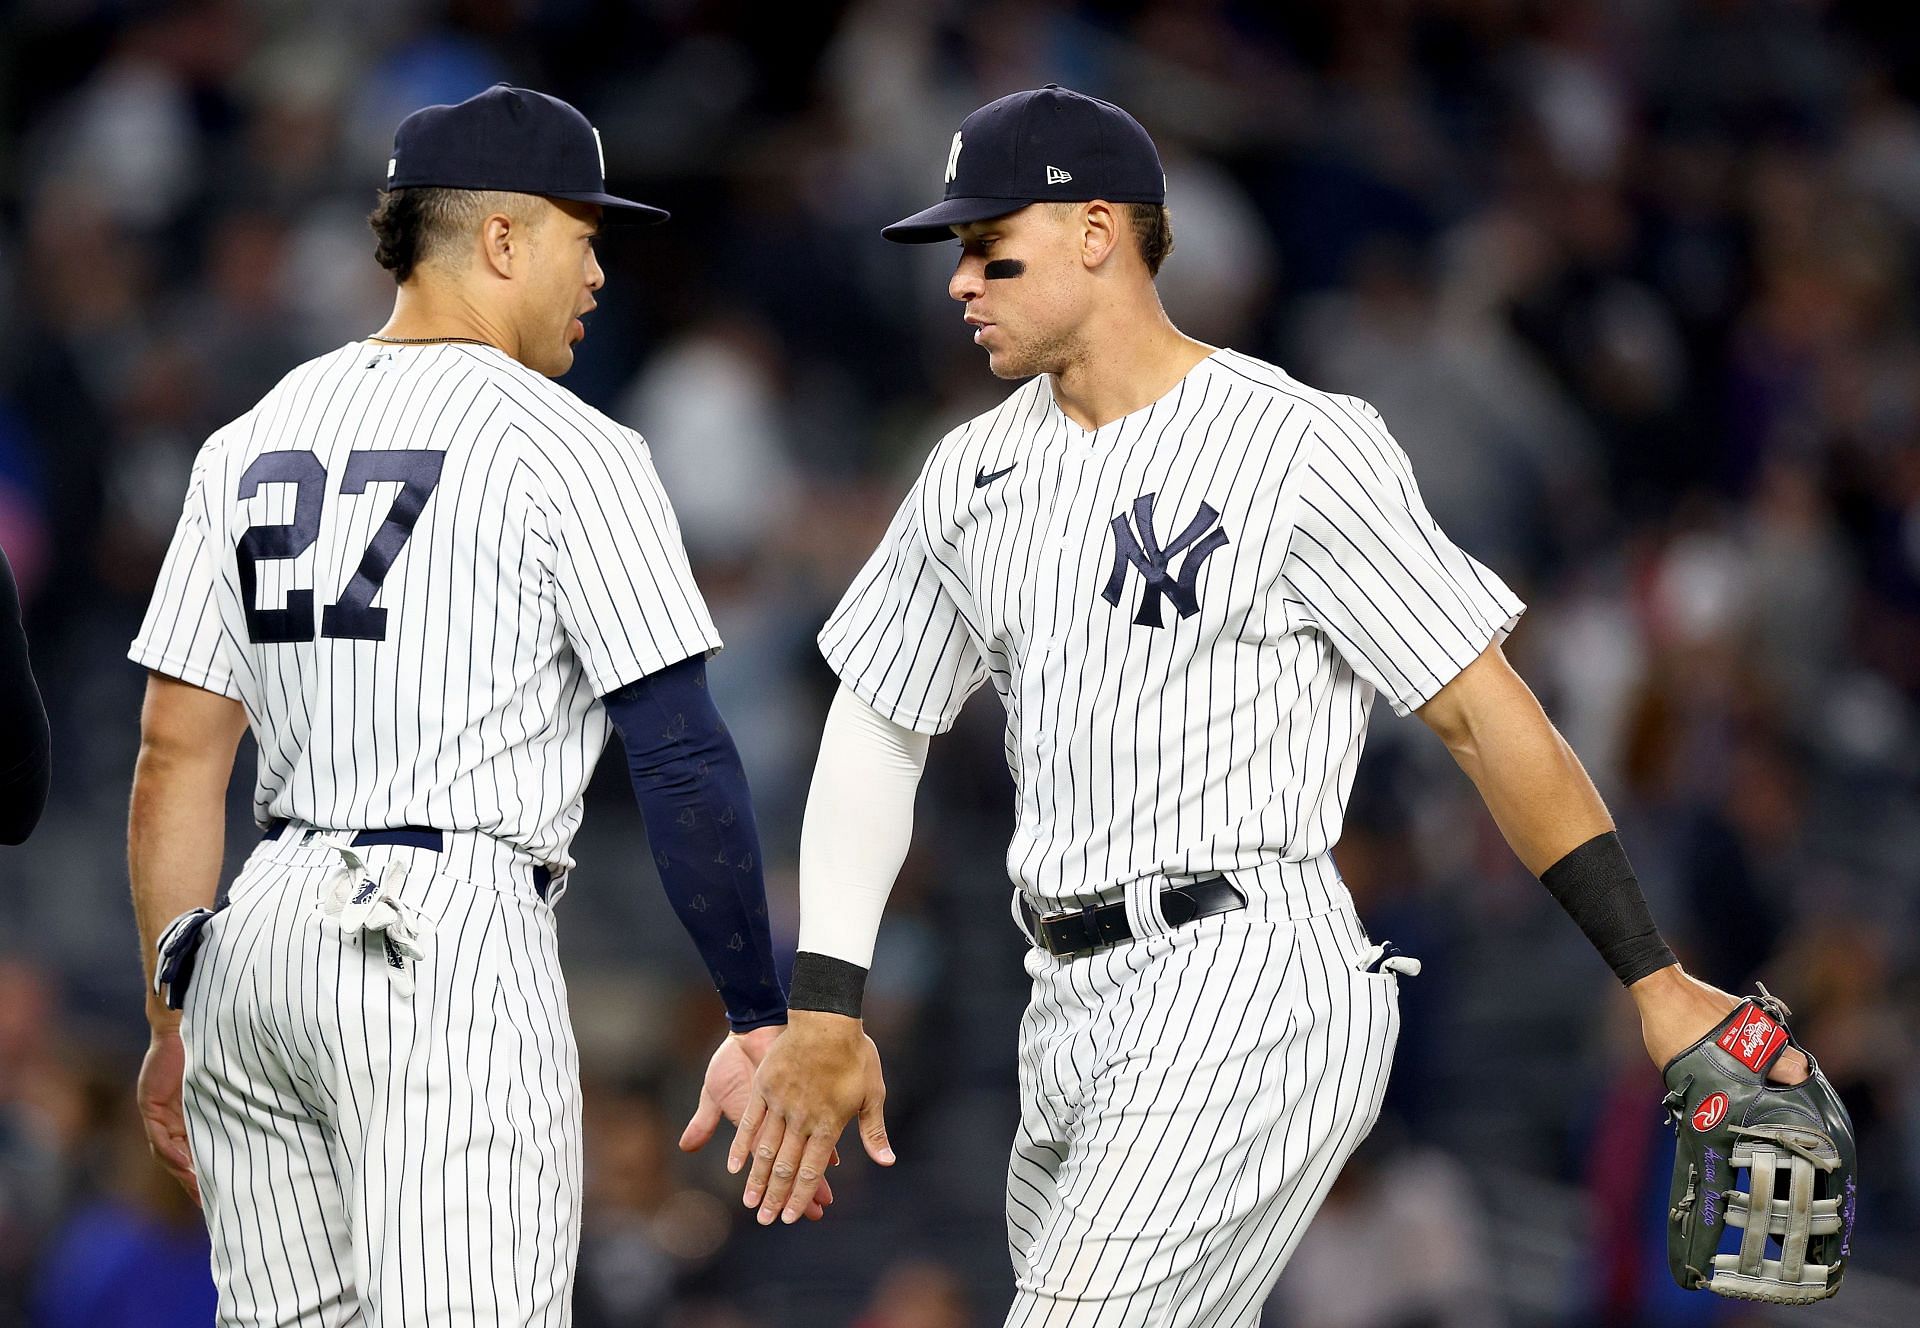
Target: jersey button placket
{"x": 1056, "y": 583}
{"x": 1040, "y": 669}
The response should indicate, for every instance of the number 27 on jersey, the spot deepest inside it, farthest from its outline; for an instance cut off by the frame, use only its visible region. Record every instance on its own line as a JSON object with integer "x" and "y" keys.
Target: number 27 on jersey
{"x": 353, "y": 616}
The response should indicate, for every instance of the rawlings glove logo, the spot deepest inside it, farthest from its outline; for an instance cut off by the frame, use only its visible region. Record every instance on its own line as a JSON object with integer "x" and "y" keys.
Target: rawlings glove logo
{"x": 1753, "y": 1038}
{"x": 1711, "y": 1111}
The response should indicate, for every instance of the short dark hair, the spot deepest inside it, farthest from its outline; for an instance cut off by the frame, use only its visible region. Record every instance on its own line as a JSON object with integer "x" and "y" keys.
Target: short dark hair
{"x": 426, "y": 224}
{"x": 1153, "y": 228}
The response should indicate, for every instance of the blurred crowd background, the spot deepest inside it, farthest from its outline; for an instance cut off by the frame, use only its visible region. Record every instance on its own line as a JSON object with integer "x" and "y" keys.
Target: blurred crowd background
{"x": 1634, "y": 283}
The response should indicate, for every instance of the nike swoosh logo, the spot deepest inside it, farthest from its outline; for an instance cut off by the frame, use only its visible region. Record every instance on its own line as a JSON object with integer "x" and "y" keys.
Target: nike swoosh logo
{"x": 982, "y": 478}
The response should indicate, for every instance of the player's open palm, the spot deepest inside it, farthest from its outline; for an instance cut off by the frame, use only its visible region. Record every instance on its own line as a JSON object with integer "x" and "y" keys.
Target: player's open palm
{"x": 821, "y": 1073}
{"x": 158, "y": 1095}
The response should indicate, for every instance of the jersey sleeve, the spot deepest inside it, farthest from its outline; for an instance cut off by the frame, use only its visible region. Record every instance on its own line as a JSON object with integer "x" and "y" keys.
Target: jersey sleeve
{"x": 899, "y": 640}
{"x": 1405, "y": 607}
{"x": 626, "y": 593}
{"x": 181, "y": 635}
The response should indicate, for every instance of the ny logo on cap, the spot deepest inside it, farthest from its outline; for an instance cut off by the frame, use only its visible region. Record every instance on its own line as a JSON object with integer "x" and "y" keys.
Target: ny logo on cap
{"x": 1057, "y": 176}
{"x": 1142, "y": 551}
{"x": 953, "y": 158}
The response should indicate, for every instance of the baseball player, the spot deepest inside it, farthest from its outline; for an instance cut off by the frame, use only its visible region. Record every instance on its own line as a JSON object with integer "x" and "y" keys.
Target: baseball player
{"x": 25, "y": 764}
{"x": 429, "y": 580}
{"x": 1186, "y": 575}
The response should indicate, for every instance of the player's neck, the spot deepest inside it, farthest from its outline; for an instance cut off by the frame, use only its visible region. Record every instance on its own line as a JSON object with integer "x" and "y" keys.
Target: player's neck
{"x": 1128, "y": 361}
{"x": 423, "y": 313}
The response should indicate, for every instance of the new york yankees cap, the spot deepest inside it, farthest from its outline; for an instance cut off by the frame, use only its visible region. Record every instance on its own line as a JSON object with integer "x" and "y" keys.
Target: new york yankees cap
{"x": 511, "y": 139}
{"x": 1048, "y": 145}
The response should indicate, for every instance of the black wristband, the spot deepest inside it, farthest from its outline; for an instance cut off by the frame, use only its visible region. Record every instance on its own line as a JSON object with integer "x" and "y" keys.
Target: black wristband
{"x": 821, "y": 982}
{"x": 1595, "y": 884}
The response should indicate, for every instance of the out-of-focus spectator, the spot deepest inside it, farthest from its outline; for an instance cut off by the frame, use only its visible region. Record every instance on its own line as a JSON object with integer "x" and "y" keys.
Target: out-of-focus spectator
{"x": 1219, "y": 289}
{"x": 32, "y": 1150}
{"x": 133, "y": 1252}
{"x": 1400, "y": 1240}
{"x": 1494, "y": 443}
{"x": 713, "y": 402}
{"x": 916, "y": 1293}
{"x": 644, "y": 1234}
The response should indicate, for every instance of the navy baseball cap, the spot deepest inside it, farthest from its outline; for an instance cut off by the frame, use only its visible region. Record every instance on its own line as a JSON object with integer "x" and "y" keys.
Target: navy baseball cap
{"x": 1048, "y": 145}
{"x": 512, "y": 139}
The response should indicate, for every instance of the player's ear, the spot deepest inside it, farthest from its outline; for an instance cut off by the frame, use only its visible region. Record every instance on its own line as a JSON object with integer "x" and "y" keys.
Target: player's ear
{"x": 499, "y": 233}
{"x": 1099, "y": 232}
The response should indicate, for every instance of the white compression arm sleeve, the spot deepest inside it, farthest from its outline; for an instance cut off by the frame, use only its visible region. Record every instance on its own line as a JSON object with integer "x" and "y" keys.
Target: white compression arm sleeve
{"x": 859, "y": 822}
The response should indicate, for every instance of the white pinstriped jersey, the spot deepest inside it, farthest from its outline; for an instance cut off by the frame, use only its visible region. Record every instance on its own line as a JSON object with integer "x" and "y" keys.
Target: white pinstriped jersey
{"x": 1187, "y": 613}
{"x": 419, "y": 568}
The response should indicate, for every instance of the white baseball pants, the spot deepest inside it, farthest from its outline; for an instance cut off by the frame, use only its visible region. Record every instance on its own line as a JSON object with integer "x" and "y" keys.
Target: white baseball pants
{"x": 383, "y": 1141}
{"x": 1187, "y": 1099}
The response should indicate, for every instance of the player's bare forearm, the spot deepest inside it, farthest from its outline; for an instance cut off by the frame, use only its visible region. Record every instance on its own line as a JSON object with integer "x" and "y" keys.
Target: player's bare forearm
{"x": 1546, "y": 806}
{"x": 1533, "y": 784}
{"x": 176, "y": 826}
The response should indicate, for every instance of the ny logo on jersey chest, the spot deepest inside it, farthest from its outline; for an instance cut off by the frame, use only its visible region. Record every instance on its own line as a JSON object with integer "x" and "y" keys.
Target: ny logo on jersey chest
{"x": 1135, "y": 545}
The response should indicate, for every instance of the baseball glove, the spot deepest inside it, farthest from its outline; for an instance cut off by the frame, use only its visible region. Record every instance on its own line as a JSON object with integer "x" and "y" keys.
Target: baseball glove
{"x": 1791, "y": 1145}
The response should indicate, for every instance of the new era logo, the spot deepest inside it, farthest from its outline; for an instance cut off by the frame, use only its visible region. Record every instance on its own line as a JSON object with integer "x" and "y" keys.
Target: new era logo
{"x": 1057, "y": 176}
{"x": 1752, "y": 1038}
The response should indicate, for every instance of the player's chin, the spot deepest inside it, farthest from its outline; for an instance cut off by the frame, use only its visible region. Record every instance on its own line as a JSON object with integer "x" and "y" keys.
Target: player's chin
{"x": 1006, "y": 364}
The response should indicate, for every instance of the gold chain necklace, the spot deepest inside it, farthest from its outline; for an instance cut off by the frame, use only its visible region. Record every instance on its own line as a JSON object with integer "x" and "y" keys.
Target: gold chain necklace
{"x": 429, "y": 341}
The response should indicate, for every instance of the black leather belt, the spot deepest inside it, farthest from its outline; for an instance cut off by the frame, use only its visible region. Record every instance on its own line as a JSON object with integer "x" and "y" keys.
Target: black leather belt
{"x": 412, "y": 836}
{"x": 1084, "y": 930}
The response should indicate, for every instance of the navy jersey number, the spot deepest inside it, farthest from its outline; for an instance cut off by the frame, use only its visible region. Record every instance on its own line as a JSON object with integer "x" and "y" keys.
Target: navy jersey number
{"x": 353, "y": 617}
{"x": 265, "y": 543}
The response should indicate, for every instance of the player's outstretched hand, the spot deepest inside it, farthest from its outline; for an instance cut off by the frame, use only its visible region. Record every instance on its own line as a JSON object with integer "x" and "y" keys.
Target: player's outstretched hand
{"x": 728, "y": 1085}
{"x": 158, "y": 1094}
{"x": 823, "y": 1071}
{"x": 1677, "y": 1010}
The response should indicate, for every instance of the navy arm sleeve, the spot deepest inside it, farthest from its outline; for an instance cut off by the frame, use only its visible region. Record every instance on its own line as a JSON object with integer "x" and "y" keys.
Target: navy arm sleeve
{"x": 693, "y": 794}
{"x": 25, "y": 764}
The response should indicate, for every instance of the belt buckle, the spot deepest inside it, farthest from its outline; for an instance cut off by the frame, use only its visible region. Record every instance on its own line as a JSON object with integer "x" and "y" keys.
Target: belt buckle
{"x": 1049, "y": 920}
{"x": 1043, "y": 924}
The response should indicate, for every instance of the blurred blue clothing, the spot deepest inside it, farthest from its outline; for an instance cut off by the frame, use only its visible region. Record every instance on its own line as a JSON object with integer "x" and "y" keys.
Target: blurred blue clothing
{"x": 112, "y": 1266}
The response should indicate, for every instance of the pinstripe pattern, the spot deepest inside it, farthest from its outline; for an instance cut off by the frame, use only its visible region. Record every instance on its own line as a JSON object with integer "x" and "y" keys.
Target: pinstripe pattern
{"x": 1189, "y": 1097}
{"x": 368, "y": 1156}
{"x": 372, "y": 1159}
{"x": 1163, "y": 1178}
{"x": 545, "y": 570}
{"x": 1222, "y": 742}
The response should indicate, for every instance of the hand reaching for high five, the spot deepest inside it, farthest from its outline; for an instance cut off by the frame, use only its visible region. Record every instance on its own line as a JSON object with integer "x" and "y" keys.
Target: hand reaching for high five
{"x": 821, "y": 1073}
{"x": 725, "y": 1092}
